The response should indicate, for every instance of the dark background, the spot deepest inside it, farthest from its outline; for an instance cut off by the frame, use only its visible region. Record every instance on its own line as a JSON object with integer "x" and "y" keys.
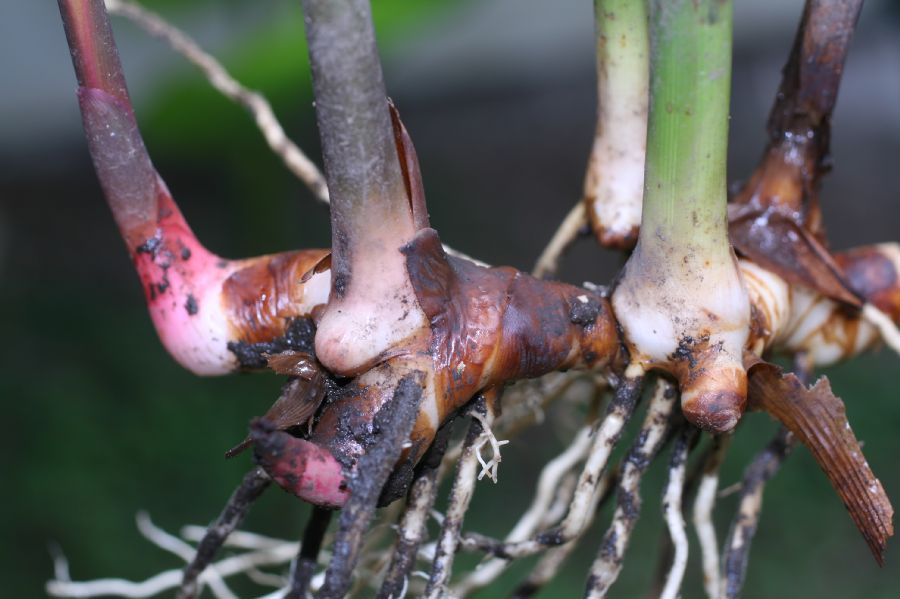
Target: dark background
{"x": 499, "y": 97}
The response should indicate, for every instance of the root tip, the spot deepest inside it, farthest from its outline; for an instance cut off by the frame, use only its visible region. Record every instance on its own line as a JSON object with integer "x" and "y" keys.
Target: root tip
{"x": 716, "y": 412}
{"x": 299, "y": 467}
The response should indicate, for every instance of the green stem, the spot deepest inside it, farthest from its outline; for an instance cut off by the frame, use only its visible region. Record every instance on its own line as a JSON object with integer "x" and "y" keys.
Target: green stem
{"x": 681, "y": 302}
{"x": 687, "y": 136}
{"x": 621, "y": 42}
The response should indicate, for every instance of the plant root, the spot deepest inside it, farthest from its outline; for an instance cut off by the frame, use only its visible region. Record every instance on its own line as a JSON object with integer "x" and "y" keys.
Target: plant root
{"x": 651, "y": 438}
{"x": 704, "y": 503}
{"x": 281, "y": 145}
{"x": 536, "y": 514}
{"x": 251, "y": 488}
{"x": 607, "y": 435}
{"x": 394, "y": 424}
{"x": 743, "y": 527}
{"x": 307, "y": 558}
{"x": 552, "y": 560}
{"x": 564, "y": 236}
{"x": 413, "y": 527}
{"x": 460, "y": 497}
{"x": 673, "y": 516}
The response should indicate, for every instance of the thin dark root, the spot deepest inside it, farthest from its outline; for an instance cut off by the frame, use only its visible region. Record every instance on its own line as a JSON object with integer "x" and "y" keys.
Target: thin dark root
{"x": 460, "y": 496}
{"x": 654, "y": 434}
{"x": 394, "y": 422}
{"x": 413, "y": 524}
{"x": 737, "y": 547}
{"x": 255, "y": 482}
{"x": 305, "y": 566}
{"x": 764, "y": 466}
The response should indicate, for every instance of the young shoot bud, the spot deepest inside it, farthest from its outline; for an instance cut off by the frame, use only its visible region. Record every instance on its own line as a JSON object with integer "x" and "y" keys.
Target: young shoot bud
{"x": 681, "y": 301}
{"x": 614, "y": 184}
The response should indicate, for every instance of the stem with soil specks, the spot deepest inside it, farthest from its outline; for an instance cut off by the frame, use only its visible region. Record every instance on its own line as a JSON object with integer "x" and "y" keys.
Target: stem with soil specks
{"x": 93, "y": 49}
{"x": 354, "y": 123}
{"x": 123, "y": 166}
{"x": 688, "y": 127}
{"x": 681, "y": 301}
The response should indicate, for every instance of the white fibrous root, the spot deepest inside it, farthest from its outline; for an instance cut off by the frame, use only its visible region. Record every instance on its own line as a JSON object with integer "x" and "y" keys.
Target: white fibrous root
{"x": 580, "y": 511}
{"x": 675, "y": 519}
{"x": 460, "y": 497}
{"x": 538, "y": 512}
{"x": 260, "y": 552}
{"x": 704, "y": 502}
{"x": 548, "y": 566}
{"x": 564, "y": 236}
{"x": 490, "y": 467}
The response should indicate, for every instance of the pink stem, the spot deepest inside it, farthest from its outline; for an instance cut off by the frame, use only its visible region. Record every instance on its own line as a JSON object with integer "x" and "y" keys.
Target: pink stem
{"x": 200, "y": 304}
{"x": 212, "y": 315}
{"x": 93, "y": 48}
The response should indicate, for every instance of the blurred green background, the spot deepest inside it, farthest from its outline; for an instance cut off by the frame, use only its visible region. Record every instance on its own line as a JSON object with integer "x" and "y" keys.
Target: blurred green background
{"x": 499, "y": 97}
